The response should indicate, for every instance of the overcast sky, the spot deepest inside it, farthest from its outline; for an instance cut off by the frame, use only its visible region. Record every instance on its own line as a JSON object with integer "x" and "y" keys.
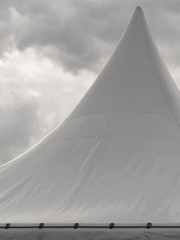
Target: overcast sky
{"x": 52, "y": 51}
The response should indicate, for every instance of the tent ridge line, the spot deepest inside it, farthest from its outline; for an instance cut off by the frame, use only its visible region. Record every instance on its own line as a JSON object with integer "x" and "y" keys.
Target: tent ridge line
{"x": 121, "y": 111}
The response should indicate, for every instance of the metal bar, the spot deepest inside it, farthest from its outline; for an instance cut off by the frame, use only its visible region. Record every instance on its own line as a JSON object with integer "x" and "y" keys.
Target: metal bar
{"x": 77, "y": 226}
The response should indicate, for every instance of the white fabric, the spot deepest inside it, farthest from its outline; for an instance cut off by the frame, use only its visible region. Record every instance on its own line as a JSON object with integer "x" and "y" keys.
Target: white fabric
{"x": 115, "y": 159}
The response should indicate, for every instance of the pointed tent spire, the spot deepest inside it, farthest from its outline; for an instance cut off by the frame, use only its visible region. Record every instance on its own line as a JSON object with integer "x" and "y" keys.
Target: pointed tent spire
{"x": 134, "y": 78}
{"x": 116, "y": 158}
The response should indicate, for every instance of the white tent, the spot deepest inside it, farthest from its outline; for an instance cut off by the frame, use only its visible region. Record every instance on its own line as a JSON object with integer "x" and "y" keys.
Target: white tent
{"x": 115, "y": 159}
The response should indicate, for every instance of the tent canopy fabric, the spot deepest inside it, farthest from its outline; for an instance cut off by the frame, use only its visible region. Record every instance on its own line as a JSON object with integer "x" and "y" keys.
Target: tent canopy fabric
{"x": 116, "y": 158}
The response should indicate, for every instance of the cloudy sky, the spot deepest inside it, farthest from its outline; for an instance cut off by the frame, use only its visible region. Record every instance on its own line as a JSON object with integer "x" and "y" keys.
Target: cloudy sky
{"x": 52, "y": 51}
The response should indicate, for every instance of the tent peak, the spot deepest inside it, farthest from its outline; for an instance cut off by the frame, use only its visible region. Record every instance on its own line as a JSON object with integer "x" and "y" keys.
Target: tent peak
{"x": 139, "y": 9}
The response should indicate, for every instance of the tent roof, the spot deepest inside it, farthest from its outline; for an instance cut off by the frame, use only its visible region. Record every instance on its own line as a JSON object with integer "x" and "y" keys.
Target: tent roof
{"x": 115, "y": 158}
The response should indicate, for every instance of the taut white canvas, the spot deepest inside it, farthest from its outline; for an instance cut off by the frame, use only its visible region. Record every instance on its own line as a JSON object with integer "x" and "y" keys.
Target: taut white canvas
{"x": 116, "y": 158}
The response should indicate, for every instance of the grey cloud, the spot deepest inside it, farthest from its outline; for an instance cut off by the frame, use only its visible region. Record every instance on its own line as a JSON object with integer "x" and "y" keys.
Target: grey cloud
{"x": 19, "y": 124}
{"x": 74, "y": 39}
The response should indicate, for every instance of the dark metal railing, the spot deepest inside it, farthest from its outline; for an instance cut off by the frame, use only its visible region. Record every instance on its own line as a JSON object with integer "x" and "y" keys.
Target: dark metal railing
{"x": 78, "y": 226}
